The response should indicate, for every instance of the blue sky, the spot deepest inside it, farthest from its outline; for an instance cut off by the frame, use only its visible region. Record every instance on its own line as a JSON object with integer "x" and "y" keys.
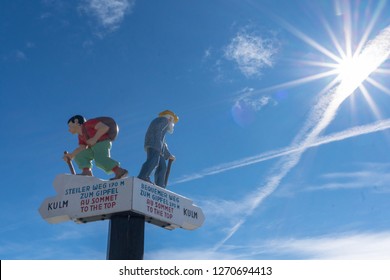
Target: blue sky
{"x": 283, "y": 144}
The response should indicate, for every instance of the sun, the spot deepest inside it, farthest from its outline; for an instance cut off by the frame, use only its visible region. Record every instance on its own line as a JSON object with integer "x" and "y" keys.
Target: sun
{"x": 354, "y": 70}
{"x": 348, "y": 68}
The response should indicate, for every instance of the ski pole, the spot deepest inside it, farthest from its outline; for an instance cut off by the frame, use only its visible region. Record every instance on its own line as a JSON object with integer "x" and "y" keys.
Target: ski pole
{"x": 70, "y": 164}
{"x": 168, "y": 171}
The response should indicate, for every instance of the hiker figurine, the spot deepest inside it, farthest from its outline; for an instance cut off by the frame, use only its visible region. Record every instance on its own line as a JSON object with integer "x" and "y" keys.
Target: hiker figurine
{"x": 94, "y": 136}
{"x": 157, "y": 149}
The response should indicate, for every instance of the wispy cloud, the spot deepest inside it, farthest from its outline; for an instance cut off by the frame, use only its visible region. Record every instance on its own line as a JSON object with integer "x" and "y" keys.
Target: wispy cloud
{"x": 248, "y": 96}
{"x": 374, "y": 246}
{"x": 19, "y": 55}
{"x": 48, "y": 244}
{"x": 374, "y": 176}
{"x": 207, "y": 53}
{"x": 108, "y": 13}
{"x": 247, "y": 104}
{"x": 251, "y": 52}
{"x": 190, "y": 254}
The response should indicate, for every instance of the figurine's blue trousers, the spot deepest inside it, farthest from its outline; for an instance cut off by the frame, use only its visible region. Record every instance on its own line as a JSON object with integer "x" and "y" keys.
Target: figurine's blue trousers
{"x": 154, "y": 160}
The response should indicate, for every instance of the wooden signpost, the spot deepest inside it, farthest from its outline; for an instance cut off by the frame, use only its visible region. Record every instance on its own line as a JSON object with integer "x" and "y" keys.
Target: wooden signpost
{"x": 127, "y": 202}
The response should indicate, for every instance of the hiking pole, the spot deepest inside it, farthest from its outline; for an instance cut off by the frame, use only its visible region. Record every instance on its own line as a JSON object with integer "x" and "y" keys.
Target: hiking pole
{"x": 70, "y": 164}
{"x": 168, "y": 171}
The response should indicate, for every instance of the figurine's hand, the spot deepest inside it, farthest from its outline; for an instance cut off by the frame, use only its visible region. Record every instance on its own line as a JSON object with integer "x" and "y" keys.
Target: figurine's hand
{"x": 172, "y": 158}
{"x": 67, "y": 157}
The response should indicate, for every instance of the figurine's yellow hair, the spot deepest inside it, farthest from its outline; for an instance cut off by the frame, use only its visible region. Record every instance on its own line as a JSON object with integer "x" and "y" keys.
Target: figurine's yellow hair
{"x": 169, "y": 112}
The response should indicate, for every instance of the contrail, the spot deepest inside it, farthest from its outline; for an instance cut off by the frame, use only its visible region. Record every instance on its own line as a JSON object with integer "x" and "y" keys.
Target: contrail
{"x": 371, "y": 57}
{"x": 339, "y": 136}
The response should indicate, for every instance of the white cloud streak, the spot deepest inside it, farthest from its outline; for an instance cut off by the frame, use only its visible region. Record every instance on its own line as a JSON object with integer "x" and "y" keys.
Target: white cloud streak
{"x": 375, "y": 176}
{"x": 349, "y": 133}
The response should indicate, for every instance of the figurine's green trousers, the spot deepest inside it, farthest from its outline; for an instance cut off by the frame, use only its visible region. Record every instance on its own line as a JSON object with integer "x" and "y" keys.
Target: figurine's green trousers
{"x": 100, "y": 152}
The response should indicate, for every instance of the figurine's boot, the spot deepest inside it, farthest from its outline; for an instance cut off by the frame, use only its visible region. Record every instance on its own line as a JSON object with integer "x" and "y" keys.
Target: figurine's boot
{"x": 86, "y": 172}
{"x": 119, "y": 173}
{"x": 148, "y": 180}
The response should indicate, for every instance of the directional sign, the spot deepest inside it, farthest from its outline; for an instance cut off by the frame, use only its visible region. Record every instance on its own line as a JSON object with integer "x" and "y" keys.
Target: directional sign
{"x": 86, "y": 199}
{"x": 165, "y": 206}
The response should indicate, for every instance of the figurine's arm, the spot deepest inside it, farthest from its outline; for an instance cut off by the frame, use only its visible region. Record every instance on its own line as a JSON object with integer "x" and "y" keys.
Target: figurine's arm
{"x": 167, "y": 154}
{"x": 101, "y": 129}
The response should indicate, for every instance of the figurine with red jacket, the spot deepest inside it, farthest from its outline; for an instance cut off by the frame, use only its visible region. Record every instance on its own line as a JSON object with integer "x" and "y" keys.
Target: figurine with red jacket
{"x": 95, "y": 143}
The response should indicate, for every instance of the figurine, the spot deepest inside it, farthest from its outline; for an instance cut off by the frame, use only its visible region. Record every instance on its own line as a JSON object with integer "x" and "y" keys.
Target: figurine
{"x": 94, "y": 144}
{"x": 157, "y": 149}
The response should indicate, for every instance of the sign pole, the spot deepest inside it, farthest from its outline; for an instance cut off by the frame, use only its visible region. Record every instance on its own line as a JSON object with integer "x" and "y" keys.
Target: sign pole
{"x": 167, "y": 172}
{"x": 126, "y": 236}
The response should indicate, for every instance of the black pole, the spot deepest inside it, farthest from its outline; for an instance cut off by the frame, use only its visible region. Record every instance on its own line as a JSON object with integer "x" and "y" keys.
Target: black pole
{"x": 126, "y": 236}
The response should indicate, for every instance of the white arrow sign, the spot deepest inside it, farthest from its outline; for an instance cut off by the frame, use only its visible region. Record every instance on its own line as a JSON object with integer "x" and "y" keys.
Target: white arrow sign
{"x": 86, "y": 199}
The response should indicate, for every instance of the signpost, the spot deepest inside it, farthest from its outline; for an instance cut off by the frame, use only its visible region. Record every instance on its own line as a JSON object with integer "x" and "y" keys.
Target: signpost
{"x": 127, "y": 202}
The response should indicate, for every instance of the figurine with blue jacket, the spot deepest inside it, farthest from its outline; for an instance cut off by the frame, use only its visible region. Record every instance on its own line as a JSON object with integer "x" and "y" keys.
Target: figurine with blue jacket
{"x": 157, "y": 152}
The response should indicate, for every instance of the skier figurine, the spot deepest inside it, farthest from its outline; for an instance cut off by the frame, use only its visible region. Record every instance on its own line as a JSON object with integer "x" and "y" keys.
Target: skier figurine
{"x": 157, "y": 149}
{"x": 94, "y": 144}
